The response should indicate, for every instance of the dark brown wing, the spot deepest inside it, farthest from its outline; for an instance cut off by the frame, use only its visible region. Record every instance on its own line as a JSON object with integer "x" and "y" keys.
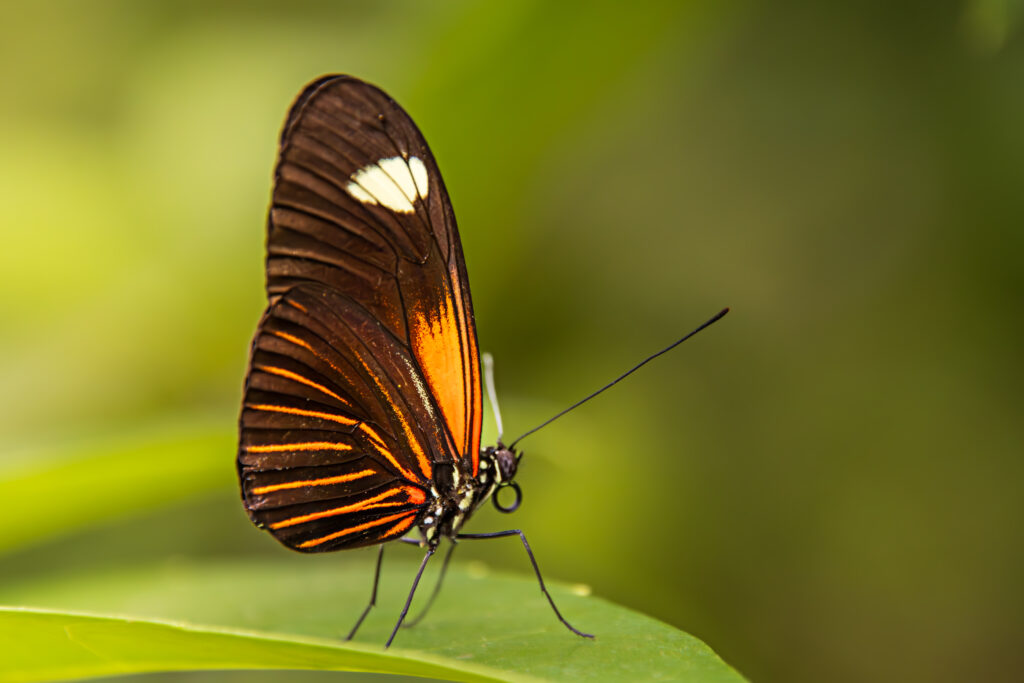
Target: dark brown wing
{"x": 337, "y": 440}
{"x": 359, "y": 206}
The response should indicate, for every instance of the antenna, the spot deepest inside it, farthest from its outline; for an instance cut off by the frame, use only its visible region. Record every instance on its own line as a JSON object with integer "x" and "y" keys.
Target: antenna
{"x": 621, "y": 377}
{"x": 492, "y": 395}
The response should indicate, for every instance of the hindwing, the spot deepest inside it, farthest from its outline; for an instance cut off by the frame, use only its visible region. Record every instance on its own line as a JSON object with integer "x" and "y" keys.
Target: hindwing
{"x": 338, "y": 440}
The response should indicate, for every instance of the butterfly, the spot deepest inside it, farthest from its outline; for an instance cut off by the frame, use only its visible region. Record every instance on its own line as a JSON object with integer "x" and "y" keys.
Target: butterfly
{"x": 362, "y": 409}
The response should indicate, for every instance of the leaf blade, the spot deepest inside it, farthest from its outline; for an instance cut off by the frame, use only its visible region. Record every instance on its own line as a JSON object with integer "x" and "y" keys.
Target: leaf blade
{"x": 484, "y": 623}
{"x": 81, "y": 645}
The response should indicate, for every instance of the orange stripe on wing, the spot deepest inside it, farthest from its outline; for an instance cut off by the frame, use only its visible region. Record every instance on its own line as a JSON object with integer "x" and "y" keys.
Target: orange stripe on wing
{"x": 368, "y": 504}
{"x": 281, "y": 372}
{"x": 382, "y": 448}
{"x": 306, "y": 446}
{"x": 295, "y": 340}
{"x": 373, "y": 436}
{"x": 340, "y": 479}
{"x": 333, "y": 417}
{"x": 421, "y": 457}
{"x": 375, "y": 440}
{"x": 399, "y": 529}
{"x": 360, "y": 527}
{"x": 306, "y": 345}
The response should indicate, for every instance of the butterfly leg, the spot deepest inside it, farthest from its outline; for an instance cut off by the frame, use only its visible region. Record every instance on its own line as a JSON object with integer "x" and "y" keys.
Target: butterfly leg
{"x": 412, "y": 592}
{"x": 373, "y": 595}
{"x": 437, "y": 589}
{"x": 536, "y": 570}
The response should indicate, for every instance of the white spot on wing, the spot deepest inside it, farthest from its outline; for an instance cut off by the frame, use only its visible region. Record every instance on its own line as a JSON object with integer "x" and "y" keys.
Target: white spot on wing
{"x": 398, "y": 169}
{"x": 360, "y": 194}
{"x": 419, "y": 174}
{"x": 393, "y": 183}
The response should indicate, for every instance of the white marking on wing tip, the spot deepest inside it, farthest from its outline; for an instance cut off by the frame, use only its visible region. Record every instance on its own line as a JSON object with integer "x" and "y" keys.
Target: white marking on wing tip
{"x": 393, "y": 183}
{"x": 359, "y": 193}
{"x": 398, "y": 169}
{"x": 419, "y": 174}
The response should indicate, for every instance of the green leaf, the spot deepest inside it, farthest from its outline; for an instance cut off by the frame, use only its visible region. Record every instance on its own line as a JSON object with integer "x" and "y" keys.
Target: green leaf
{"x": 291, "y": 614}
{"x": 112, "y": 477}
{"x": 60, "y": 645}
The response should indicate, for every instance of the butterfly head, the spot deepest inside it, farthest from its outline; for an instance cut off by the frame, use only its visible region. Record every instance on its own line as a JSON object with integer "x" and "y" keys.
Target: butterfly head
{"x": 504, "y": 464}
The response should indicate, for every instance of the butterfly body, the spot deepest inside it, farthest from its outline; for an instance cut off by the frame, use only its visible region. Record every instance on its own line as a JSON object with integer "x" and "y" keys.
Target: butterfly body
{"x": 456, "y": 495}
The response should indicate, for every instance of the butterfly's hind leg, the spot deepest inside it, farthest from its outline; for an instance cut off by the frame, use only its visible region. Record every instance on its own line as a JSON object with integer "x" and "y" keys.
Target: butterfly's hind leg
{"x": 412, "y": 592}
{"x": 373, "y": 595}
{"x": 536, "y": 570}
{"x": 437, "y": 589}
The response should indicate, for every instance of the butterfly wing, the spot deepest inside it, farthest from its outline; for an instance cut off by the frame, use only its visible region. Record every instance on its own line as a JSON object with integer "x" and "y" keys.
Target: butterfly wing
{"x": 364, "y": 371}
{"x": 335, "y": 451}
{"x": 359, "y": 205}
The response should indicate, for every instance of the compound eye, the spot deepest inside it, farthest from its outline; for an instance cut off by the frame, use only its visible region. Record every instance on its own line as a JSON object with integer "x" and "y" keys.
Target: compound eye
{"x": 507, "y": 463}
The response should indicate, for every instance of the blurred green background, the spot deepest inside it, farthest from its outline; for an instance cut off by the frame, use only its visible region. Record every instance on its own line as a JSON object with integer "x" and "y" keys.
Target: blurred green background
{"x": 824, "y": 486}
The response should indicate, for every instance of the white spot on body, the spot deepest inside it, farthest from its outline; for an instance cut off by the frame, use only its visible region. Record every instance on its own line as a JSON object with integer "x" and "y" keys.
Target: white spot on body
{"x": 428, "y": 520}
{"x": 394, "y": 183}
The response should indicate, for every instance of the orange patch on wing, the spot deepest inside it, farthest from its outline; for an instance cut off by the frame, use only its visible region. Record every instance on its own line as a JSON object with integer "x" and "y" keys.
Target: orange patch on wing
{"x": 340, "y": 479}
{"x": 357, "y": 528}
{"x": 416, "y": 496}
{"x": 368, "y": 504}
{"x": 471, "y": 387}
{"x": 437, "y": 340}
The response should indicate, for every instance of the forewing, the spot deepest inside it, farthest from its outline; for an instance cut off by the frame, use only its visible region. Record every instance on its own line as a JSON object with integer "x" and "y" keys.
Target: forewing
{"x": 359, "y": 205}
{"x": 337, "y": 441}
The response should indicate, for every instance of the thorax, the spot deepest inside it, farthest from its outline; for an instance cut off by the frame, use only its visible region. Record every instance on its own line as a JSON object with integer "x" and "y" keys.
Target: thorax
{"x": 455, "y": 494}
